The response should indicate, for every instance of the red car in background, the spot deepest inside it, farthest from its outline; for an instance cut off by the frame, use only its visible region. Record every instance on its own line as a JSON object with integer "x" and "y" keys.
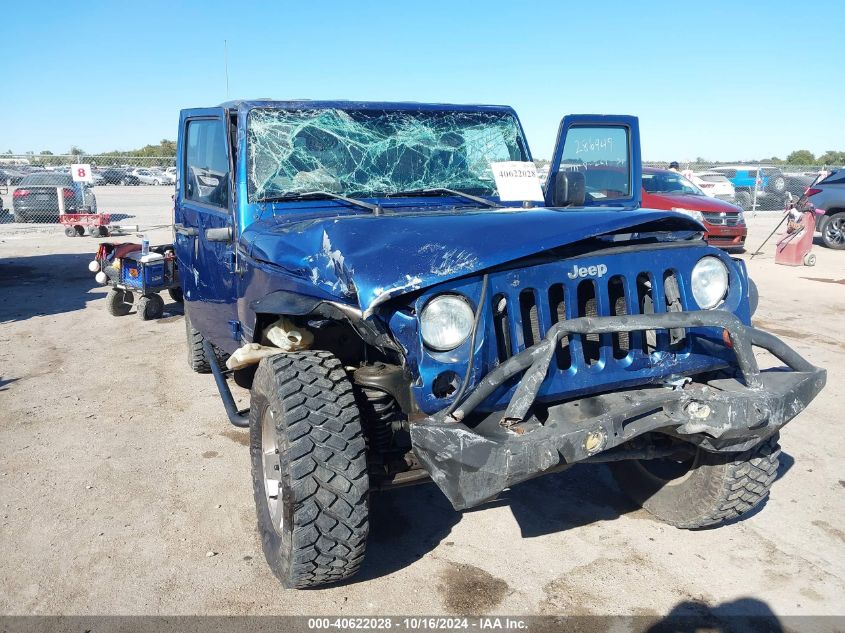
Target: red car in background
{"x": 670, "y": 191}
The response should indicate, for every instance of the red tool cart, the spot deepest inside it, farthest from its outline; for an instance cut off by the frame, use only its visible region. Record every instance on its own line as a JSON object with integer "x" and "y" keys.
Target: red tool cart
{"x": 77, "y": 224}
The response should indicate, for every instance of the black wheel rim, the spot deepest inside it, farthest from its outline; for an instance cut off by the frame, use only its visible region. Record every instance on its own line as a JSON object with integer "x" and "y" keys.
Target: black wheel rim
{"x": 834, "y": 231}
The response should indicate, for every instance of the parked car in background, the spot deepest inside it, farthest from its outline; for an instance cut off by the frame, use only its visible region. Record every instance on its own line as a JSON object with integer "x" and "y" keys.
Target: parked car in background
{"x": 713, "y": 184}
{"x": 769, "y": 181}
{"x": 171, "y": 175}
{"x": 118, "y": 176}
{"x": 11, "y": 177}
{"x": 42, "y": 197}
{"x": 797, "y": 183}
{"x": 149, "y": 176}
{"x": 671, "y": 191}
{"x": 828, "y": 195}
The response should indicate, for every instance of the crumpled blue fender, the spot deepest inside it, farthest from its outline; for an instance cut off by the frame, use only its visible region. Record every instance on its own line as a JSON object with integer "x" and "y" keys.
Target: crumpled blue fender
{"x": 367, "y": 259}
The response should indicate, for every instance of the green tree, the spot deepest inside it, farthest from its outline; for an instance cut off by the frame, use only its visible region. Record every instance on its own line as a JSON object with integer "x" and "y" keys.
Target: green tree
{"x": 76, "y": 151}
{"x": 801, "y": 157}
{"x": 831, "y": 157}
{"x": 46, "y": 152}
{"x": 168, "y": 148}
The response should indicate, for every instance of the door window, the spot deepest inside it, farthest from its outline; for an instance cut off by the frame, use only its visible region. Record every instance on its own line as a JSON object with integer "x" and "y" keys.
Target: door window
{"x": 601, "y": 153}
{"x": 207, "y": 163}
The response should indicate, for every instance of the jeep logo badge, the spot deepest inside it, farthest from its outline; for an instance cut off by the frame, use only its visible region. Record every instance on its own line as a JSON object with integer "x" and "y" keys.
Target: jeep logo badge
{"x": 587, "y": 271}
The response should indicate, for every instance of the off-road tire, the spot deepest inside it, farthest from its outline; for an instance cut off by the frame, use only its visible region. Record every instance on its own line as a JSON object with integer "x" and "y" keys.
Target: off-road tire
{"x": 197, "y": 359}
{"x": 119, "y": 302}
{"x": 150, "y": 307}
{"x": 776, "y": 185}
{"x": 308, "y": 401}
{"x": 717, "y": 489}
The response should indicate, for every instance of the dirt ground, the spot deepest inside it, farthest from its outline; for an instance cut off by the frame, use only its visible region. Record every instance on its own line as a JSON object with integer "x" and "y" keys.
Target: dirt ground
{"x": 125, "y": 491}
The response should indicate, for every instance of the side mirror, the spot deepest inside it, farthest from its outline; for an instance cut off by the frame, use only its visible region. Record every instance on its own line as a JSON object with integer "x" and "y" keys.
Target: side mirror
{"x": 222, "y": 234}
{"x": 569, "y": 189}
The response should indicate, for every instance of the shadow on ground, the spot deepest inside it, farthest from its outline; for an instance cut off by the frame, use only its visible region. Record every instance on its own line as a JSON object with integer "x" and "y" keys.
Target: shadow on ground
{"x": 41, "y": 285}
{"x": 407, "y": 523}
{"x": 749, "y": 615}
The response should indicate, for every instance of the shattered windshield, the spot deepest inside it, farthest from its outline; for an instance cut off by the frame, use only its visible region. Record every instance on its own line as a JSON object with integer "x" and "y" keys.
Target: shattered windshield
{"x": 369, "y": 153}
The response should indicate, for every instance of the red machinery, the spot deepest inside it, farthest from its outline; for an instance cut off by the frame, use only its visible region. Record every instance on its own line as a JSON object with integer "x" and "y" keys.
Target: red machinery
{"x": 97, "y": 224}
{"x": 794, "y": 249}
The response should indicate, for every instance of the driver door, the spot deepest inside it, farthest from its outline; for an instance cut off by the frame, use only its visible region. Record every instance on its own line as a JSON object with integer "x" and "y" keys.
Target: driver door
{"x": 205, "y": 227}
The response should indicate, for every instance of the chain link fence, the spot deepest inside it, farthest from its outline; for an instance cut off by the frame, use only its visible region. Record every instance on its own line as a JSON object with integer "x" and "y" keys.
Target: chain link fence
{"x": 751, "y": 186}
{"x": 40, "y": 189}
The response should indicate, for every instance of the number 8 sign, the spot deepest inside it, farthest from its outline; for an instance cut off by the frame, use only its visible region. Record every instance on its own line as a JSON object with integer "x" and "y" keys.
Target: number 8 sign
{"x": 81, "y": 173}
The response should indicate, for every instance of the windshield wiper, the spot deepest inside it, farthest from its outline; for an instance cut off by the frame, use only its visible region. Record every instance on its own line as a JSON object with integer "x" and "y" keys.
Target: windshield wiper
{"x": 442, "y": 190}
{"x": 375, "y": 208}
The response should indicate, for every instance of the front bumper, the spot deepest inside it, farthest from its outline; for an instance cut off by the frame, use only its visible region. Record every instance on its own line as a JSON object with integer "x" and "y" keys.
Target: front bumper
{"x": 471, "y": 465}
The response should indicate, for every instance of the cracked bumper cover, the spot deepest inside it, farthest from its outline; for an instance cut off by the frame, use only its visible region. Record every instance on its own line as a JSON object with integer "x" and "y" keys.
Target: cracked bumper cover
{"x": 471, "y": 465}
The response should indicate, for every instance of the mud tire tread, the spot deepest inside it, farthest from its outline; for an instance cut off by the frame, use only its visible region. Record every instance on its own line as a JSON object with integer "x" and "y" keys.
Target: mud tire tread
{"x": 325, "y": 465}
{"x": 729, "y": 487}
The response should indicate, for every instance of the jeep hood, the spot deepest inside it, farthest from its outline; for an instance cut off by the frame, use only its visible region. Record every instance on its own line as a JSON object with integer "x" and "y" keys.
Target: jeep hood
{"x": 367, "y": 259}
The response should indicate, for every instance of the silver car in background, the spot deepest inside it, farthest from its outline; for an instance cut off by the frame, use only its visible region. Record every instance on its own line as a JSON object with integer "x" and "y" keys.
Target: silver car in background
{"x": 150, "y": 176}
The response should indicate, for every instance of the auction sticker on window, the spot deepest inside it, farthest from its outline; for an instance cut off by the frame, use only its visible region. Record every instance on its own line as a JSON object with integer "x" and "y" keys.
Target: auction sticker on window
{"x": 517, "y": 180}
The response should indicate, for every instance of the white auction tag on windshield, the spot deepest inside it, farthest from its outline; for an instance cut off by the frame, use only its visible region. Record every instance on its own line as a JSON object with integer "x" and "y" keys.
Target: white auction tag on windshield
{"x": 517, "y": 180}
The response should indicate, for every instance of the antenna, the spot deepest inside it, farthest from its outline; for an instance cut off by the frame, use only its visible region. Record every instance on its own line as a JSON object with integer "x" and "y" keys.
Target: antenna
{"x": 226, "y": 65}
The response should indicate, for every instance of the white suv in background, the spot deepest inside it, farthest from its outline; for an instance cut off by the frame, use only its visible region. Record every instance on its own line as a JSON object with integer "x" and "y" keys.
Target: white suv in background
{"x": 713, "y": 184}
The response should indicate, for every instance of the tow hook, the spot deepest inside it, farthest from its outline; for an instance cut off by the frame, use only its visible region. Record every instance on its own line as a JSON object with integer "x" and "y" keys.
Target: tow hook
{"x": 698, "y": 410}
{"x": 594, "y": 441}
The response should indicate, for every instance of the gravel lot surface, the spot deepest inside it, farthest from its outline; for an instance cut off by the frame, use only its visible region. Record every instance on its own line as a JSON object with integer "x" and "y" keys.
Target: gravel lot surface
{"x": 125, "y": 491}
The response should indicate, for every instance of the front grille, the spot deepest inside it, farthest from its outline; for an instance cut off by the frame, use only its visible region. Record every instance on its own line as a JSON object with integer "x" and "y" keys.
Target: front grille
{"x": 729, "y": 218}
{"x": 521, "y": 319}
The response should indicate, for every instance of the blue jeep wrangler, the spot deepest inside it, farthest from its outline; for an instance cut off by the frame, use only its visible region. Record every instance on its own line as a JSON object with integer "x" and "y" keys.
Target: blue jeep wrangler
{"x": 399, "y": 317}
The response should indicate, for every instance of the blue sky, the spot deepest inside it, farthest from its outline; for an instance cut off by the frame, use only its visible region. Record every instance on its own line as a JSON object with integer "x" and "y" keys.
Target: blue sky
{"x": 718, "y": 79}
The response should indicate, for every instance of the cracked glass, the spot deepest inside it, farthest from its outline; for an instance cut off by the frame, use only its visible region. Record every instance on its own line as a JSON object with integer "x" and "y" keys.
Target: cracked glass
{"x": 370, "y": 153}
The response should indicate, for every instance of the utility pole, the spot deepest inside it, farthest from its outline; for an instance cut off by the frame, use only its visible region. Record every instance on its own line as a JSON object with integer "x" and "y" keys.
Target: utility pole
{"x": 226, "y": 65}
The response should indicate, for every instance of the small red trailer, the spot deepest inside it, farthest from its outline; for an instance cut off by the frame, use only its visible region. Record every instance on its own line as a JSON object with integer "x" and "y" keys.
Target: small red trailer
{"x": 77, "y": 224}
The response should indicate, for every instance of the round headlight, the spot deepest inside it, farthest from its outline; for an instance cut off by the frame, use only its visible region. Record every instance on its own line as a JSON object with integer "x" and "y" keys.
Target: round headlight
{"x": 446, "y": 322}
{"x": 709, "y": 282}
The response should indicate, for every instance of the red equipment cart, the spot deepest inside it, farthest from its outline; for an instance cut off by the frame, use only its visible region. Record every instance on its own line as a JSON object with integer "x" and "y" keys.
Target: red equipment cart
{"x": 794, "y": 248}
{"x": 76, "y": 224}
